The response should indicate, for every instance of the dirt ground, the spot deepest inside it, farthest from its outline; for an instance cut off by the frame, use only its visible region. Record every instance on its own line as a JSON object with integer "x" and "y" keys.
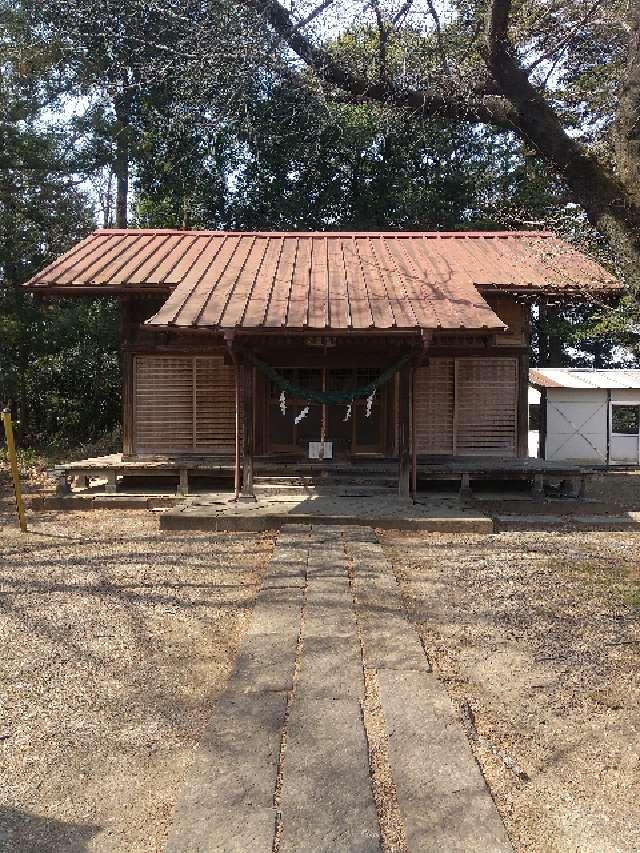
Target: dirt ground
{"x": 115, "y": 640}
{"x": 536, "y": 637}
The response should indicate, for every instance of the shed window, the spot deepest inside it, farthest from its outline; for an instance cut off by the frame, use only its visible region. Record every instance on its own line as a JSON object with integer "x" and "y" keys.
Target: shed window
{"x": 625, "y": 419}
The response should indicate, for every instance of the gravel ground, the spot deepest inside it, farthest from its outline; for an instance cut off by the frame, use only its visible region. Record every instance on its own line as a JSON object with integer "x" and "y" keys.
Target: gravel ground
{"x": 116, "y": 639}
{"x": 536, "y": 637}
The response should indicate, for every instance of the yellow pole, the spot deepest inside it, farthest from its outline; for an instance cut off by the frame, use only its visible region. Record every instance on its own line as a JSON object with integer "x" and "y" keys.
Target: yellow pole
{"x": 15, "y": 473}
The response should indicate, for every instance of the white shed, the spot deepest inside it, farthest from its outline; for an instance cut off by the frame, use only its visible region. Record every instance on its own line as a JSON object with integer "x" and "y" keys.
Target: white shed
{"x": 588, "y": 416}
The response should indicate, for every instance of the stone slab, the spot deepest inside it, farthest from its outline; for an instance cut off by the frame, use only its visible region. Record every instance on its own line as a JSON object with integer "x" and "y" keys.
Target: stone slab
{"x": 283, "y": 580}
{"x": 327, "y": 801}
{"x": 381, "y": 591}
{"x": 265, "y": 662}
{"x": 318, "y": 570}
{"x": 233, "y": 772}
{"x": 390, "y": 641}
{"x": 330, "y": 668}
{"x": 444, "y": 800}
{"x": 233, "y": 831}
{"x": 329, "y": 612}
{"x": 277, "y": 611}
{"x": 287, "y": 566}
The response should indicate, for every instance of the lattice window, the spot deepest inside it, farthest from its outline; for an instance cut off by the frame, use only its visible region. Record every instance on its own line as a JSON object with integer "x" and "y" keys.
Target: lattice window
{"x": 434, "y": 407}
{"x": 486, "y": 406}
{"x": 183, "y": 404}
{"x": 467, "y": 407}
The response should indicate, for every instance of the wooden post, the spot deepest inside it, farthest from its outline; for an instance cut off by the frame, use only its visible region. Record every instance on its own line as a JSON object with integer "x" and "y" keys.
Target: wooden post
{"x": 523, "y": 405}
{"x": 15, "y": 472}
{"x": 609, "y": 426}
{"x": 236, "y": 476}
{"x": 542, "y": 432}
{"x": 183, "y": 482}
{"x": 127, "y": 334}
{"x": 248, "y": 442}
{"x": 228, "y": 338}
{"x": 403, "y": 432}
{"x": 414, "y": 460}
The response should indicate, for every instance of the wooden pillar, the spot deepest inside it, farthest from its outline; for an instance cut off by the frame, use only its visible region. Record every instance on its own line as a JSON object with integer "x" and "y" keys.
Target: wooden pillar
{"x": 248, "y": 440}
{"x": 542, "y": 432}
{"x": 414, "y": 453}
{"x": 523, "y": 405}
{"x": 127, "y": 334}
{"x": 236, "y": 474}
{"x": 609, "y": 426}
{"x": 183, "y": 483}
{"x": 404, "y": 416}
{"x": 537, "y": 487}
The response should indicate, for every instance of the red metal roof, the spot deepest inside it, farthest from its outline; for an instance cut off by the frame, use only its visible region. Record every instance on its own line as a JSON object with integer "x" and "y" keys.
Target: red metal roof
{"x": 359, "y": 280}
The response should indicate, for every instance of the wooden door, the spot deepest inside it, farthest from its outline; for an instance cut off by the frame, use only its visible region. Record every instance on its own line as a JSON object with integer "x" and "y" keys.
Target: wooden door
{"x": 359, "y": 434}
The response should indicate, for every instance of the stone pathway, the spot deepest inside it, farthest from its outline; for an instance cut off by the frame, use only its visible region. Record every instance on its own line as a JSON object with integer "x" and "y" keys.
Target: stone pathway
{"x": 287, "y": 763}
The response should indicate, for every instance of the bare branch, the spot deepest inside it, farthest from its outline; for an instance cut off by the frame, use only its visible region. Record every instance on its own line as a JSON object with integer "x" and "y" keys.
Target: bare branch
{"x": 313, "y": 14}
{"x": 443, "y": 102}
{"x": 382, "y": 41}
{"x": 549, "y": 54}
{"x": 436, "y": 22}
{"x": 402, "y": 11}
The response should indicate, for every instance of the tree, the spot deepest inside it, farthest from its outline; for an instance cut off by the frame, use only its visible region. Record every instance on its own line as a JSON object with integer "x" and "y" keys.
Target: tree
{"x": 503, "y": 65}
{"x": 59, "y": 363}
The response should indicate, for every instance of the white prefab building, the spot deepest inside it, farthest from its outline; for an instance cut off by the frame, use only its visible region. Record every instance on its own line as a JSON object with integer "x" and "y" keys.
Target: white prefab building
{"x": 588, "y": 416}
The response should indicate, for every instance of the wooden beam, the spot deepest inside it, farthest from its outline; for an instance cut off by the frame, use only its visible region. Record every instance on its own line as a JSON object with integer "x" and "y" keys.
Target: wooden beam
{"x": 404, "y": 432}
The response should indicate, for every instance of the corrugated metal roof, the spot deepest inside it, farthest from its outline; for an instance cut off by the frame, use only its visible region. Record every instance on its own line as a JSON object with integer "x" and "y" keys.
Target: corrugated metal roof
{"x": 584, "y": 378}
{"x": 327, "y": 280}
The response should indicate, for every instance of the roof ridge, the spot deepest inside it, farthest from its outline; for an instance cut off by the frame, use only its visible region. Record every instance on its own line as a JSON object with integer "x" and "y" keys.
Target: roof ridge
{"x": 448, "y": 235}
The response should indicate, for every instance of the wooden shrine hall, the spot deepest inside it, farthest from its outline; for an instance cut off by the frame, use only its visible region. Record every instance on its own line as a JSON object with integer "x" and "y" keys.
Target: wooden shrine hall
{"x": 325, "y": 348}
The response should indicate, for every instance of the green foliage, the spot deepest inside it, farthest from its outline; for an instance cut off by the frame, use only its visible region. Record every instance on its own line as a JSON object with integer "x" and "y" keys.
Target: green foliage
{"x": 58, "y": 363}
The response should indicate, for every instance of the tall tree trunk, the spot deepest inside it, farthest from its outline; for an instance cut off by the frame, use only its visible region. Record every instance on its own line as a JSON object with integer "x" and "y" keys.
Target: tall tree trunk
{"x": 607, "y": 202}
{"x": 550, "y": 349}
{"x": 628, "y": 124}
{"x": 121, "y": 163}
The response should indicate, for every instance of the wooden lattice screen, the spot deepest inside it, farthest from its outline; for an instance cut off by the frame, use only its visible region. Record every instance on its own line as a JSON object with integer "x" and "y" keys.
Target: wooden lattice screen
{"x": 467, "y": 406}
{"x": 434, "y": 407}
{"x": 184, "y": 404}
